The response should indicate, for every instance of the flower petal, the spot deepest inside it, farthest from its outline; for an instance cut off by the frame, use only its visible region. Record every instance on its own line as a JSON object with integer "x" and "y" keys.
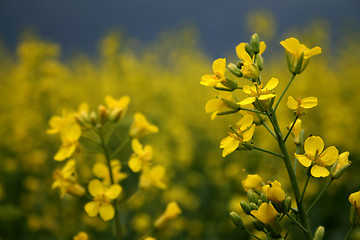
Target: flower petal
{"x": 229, "y": 144}
{"x": 247, "y": 135}
{"x": 271, "y": 84}
{"x": 313, "y": 145}
{"x": 219, "y": 66}
{"x": 267, "y": 96}
{"x": 113, "y": 191}
{"x": 292, "y": 103}
{"x": 330, "y": 155}
{"x": 96, "y": 187}
{"x": 247, "y": 101}
{"x": 92, "y": 208}
{"x": 309, "y": 102}
{"x": 135, "y": 163}
{"x": 209, "y": 80}
{"x": 107, "y": 211}
{"x": 303, "y": 160}
{"x": 245, "y": 122}
{"x": 318, "y": 171}
{"x": 240, "y": 49}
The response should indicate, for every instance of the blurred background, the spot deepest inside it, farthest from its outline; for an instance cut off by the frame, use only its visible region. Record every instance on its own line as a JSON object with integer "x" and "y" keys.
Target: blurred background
{"x": 56, "y": 54}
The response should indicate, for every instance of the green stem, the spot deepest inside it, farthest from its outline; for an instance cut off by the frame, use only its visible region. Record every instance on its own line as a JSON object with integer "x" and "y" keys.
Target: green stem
{"x": 251, "y": 234}
{"x": 296, "y": 222}
{"x": 305, "y": 186}
{"x": 269, "y": 152}
{"x": 292, "y": 126}
{"x": 282, "y": 95}
{"x": 302, "y": 213}
{"x": 296, "y": 161}
{"x": 349, "y": 232}
{"x": 320, "y": 195}
{"x": 121, "y": 146}
{"x": 108, "y": 161}
{"x": 251, "y": 110}
{"x": 269, "y": 130}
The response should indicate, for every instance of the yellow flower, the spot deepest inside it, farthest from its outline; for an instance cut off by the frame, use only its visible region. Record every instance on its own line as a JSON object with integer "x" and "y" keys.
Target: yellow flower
{"x": 341, "y": 165}
{"x": 141, "y": 156}
{"x": 301, "y": 104}
{"x": 243, "y": 133}
{"x": 81, "y": 236}
{"x": 69, "y": 137}
{"x": 297, "y": 132}
{"x": 102, "y": 199}
{"x": 57, "y": 123}
{"x": 117, "y": 107}
{"x": 218, "y": 66}
{"x": 141, "y": 127}
{"x": 249, "y": 69}
{"x": 152, "y": 177}
{"x": 172, "y": 211}
{"x": 259, "y": 92}
{"x": 354, "y": 199}
{"x": 66, "y": 180}
{"x": 217, "y": 105}
{"x": 267, "y": 215}
{"x": 252, "y": 181}
{"x": 101, "y": 170}
{"x": 294, "y": 51}
{"x": 317, "y": 158}
{"x": 274, "y": 192}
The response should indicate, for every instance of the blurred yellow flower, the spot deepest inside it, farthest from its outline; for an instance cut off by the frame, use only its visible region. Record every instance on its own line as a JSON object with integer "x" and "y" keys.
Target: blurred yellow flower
{"x": 66, "y": 180}
{"x": 243, "y": 133}
{"x": 217, "y": 105}
{"x": 117, "y": 107}
{"x": 57, "y": 123}
{"x": 69, "y": 137}
{"x": 317, "y": 158}
{"x": 101, "y": 170}
{"x": 340, "y": 165}
{"x": 259, "y": 92}
{"x": 141, "y": 127}
{"x": 152, "y": 177}
{"x": 218, "y": 66}
{"x": 274, "y": 192}
{"x": 81, "y": 236}
{"x": 141, "y": 156}
{"x": 172, "y": 211}
{"x": 253, "y": 182}
{"x": 102, "y": 199}
{"x": 301, "y": 104}
{"x": 296, "y": 50}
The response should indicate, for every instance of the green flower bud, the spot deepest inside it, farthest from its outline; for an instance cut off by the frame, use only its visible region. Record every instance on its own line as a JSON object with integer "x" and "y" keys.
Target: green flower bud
{"x": 237, "y": 220}
{"x": 319, "y": 234}
{"x": 245, "y": 207}
{"x": 230, "y": 104}
{"x": 230, "y": 84}
{"x": 103, "y": 114}
{"x": 259, "y": 202}
{"x": 258, "y": 225}
{"x": 93, "y": 118}
{"x": 340, "y": 165}
{"x": 253, "y": 206}
{"x": 249, "y": 50}
{"x": 252, "y": 196}
{"x": 234, "y": 70}
{"x": 260, "y": 62}
{"x": 255, "y": 43}
{"x": 286, "y": 204}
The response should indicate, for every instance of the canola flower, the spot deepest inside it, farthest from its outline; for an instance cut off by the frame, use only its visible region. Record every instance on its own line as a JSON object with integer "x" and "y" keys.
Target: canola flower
{"x": 242, "y": 134}
{"x": 218, "y": 105}
{"x": 259, "y": 92}
{"x": 141, "y": 156}
{"x": 267, "y": 215}
{"x": 317, "y": 158}
{"x": 253, "y": 182}
{"x": 100, "y": 170}
{"x": 152, "y": 177}
{"x": 274, "y": 192}
{"x": 141, "y": 127}
{"x": 172, "y": 211}
{"x": 298, "y": 55}
{"x": 297, "y": 132}
{"x": 102, "y": 199}
{"x": 69, "y": 138}
{"x": 117, "y": 108}
{"x": 301, "y": 104}
{"x": 219, "y": 67}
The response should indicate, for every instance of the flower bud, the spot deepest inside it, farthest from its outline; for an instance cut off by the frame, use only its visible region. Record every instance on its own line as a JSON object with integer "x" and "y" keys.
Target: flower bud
{"x": 103, "y": 114}
{"x": 93, "y": 118}
{"x": 319, "y": 234}
{"x": 298, "y": 67}
{"x": 245, "y": 207}
{"x": 286, "y": 204}
{"x": 258, "y": 225}
{"x": 237, "y": 220}
{"x": 116, "y": 114}
{"x": 249, "y": 50}
{"x": 252, "y": 196}
{"x": 255, "y": 43}
{"x": 263, "y": 198}
{"x": 230, "y": 104}
{"x": 340, "y": 165}
{"x": 253, "y": 206}
{"x": 234, "y": 70}
{"x": 79, "y": 120}
{"x": 260, "y": 62}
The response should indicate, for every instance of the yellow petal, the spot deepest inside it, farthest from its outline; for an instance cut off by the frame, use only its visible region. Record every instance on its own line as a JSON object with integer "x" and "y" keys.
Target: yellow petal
{"x": 354, "y": 199}
{"x": 92, "y": 208}
{"x": 113, "y": 191}
{"x": 318, "y": 171}
{"x": 313, "y": 145}
{"x": 267, "y": 96}
{"x": 246, "y": 57}
{"x": 107, "y": 211}
{"x": 275, "y": 194}
{"x": 136, "y": 146}
{"x": 71, "y": 133}
{"x": 247, "y": 135}
{"x": 309, "y": 102}
{"x": 135, "y": 163}
{"x": 245, "y": 121}
{"x": 262, "y": 47}
{"x": 266, "y": 213}
{"x": 247, "y": 101}
{"x": 252, "y": 181}
{"x": 65, "y": 152}
{"x": 314, "y": 51}
{"x": 214, "y": 105}
{"x": 96, "y": 187}
{"x": 110, "y": 101}
{"x": 303, "y": 160}
{"x": 330, "y": 155}
{"x": 100, "y": 170}
{"x": 229, "y": 144}
{"x": 292, "y": 45}
{"x": 240, "y": 49}
{"x": 209, "y": 80}
{"x": 271, "y": 84}
{"x": 292, "y": 103}
{"x": 219, "y": 66}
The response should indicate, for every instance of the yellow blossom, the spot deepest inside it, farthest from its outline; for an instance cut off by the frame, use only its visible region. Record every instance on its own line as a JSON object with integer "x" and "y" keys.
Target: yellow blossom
{"x": 267, "y": 215}
{"x": 101, "y": 170}
{"x": 152, "y": 177}
{"x": 243, "y": 133}
{"x": 317, "y": 158}
{"x": 66, "y": 180}
{"x": 341, "y": 165}
{"x": 218, "y": 66}
{"x": 57, "y": 123}
{"x": 294, "y": 51}
{"x": 172, "y": 211}
{"x": 248, "y": 68}
{"x": 69, "y": 137}
{"x": 81, "y": 236}
{"x": 141, "y": 156}
{"x": 252, "y": 181}
{"x": 296, "y": 131}
{"x": 274, "y": 192}
{"x": 301, "y": 104}
{"x": 102, "y": 199}
{"x": 259, "y": 92}
{"x": 117, "y": 107}
{"x": 217, "y": 105}
{"x": 141, "y": 127}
